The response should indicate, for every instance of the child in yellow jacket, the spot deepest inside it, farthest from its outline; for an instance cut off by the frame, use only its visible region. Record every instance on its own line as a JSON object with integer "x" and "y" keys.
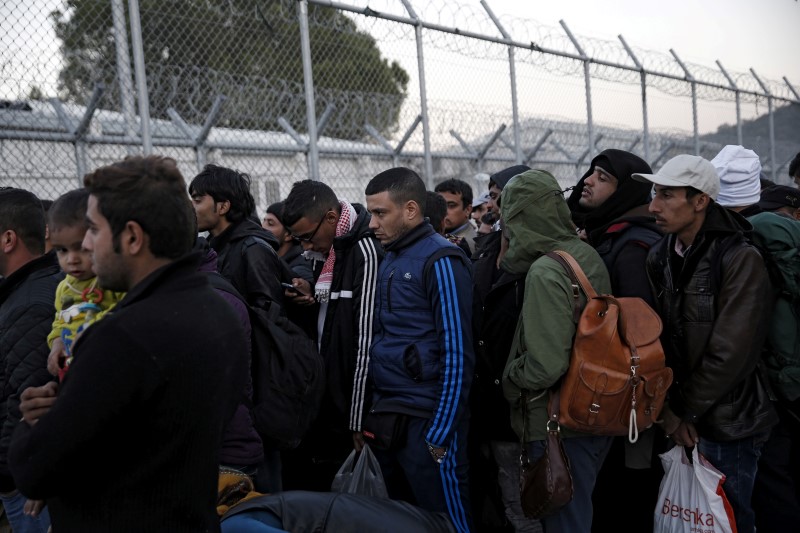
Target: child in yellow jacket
{"x": 79, "y": 300}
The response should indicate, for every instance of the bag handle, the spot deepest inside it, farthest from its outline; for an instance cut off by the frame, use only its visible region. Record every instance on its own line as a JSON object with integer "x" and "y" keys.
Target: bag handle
{"x": 553, "y": 406}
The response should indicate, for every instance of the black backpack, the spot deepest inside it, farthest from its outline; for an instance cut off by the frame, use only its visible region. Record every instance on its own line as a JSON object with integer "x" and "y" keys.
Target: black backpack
{"x": 287, "y": 371}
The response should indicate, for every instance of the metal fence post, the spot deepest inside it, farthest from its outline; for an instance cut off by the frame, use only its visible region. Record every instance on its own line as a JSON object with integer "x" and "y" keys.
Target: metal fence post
{"x": 513, "y": 73}
{"x": 693, "y": 83}
{"x": 768, "y": 93}
{"x": 124, "y": 75}
{"x": 308, "y": 83}
{"x": 738, "y": 103}
{"x": 141, "y": 77}
{"x": 423, "y": 96}
{"x": 792, "y": 89}
{"x": 643, "y": 77}
{"x": 588, "y": 79}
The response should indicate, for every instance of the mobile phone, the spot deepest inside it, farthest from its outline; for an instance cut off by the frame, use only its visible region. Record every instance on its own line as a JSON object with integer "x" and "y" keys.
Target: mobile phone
{"x": 291, "y": 288}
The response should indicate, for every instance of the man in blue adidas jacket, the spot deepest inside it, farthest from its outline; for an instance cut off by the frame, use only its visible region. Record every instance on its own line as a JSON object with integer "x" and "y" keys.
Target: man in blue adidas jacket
{"x": 421, "y": 358}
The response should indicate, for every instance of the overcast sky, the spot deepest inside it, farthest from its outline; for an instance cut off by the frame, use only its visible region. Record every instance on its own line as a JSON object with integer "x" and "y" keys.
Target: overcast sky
{"x": 763, "y": 34}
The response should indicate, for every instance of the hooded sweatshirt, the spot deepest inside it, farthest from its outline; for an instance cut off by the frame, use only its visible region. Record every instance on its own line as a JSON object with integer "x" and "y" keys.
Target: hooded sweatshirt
{"x": 538, "y": 221}
{"x": 629, "y": 194}
{"x": 621, "y": 230}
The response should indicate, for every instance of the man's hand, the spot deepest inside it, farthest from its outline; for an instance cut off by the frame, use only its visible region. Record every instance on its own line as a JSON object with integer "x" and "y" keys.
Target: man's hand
{"x": 304, "y": 294}
{"x": 56, "y": 357}
{"x": 36, "y": 401}
{"x": 358, "y": 441}
{"x": 33, "y": 507}
{"x": 681, "y": 432}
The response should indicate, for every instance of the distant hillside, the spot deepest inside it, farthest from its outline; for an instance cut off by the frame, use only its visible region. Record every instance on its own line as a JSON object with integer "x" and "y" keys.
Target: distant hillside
{"x": 755, "y": 136}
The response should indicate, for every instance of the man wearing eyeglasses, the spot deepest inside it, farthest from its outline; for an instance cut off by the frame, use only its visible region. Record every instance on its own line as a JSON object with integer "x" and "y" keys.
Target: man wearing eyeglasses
{"x": 337, "y": 232}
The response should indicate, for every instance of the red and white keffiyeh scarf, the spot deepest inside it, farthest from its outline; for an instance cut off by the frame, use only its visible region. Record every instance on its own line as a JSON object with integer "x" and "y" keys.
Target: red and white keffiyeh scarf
{"x": 347, "y": 218}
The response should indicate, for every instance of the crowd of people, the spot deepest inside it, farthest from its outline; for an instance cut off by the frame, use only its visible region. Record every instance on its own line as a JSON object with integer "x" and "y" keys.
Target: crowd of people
{"x": 126, "y": 345}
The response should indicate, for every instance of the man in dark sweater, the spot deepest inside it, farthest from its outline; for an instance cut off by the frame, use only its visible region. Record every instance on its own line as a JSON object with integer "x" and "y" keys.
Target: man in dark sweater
{"x": 131, "y": 439}
{"x": 26, "y": 317}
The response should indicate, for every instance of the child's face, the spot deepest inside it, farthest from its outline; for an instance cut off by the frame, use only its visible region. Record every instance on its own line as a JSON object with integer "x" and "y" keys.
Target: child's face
{"x": 72, "y": 258}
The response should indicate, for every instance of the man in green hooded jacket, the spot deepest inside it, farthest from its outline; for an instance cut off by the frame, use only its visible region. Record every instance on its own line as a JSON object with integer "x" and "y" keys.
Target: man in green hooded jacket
{"x": 538, "y": 221}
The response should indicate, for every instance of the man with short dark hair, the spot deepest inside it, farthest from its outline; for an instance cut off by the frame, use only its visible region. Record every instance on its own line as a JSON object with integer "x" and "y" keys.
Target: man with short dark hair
{"x": 152, "y": 385}
{"x": 246, "y": 253}
{"x": 246, "y": 257}
{"x": 457, "y": 225}
{"x": 421, "y": 360}
{"x": 710, "y": 286}
{"x": 27, "y": 295}
{"x": 436, "y": 211}
{"x": 336, "y": 232}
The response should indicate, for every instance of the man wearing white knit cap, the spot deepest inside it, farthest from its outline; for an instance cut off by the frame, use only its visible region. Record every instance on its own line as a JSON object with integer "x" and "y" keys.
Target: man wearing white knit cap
{"x": 775, "y": 499}
{"x": 739, "y": 171}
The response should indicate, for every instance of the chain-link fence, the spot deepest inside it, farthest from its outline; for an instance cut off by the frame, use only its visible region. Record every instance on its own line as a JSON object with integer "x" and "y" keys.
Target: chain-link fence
{"x": 338, "y": 91}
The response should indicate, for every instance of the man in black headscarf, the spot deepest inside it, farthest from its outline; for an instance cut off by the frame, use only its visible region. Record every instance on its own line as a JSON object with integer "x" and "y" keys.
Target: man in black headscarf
{"x": 610, "y": 210}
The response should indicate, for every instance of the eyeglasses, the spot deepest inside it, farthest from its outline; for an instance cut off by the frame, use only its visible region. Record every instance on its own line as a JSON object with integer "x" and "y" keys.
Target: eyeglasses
{"x": 303, "y": 238}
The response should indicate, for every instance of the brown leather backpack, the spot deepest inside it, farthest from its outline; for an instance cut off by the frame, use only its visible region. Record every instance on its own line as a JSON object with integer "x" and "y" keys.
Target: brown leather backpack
{"x": 617, "y": 378}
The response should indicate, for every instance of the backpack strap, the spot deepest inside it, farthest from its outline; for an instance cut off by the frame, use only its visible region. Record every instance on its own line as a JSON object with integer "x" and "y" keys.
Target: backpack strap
{"x": 218, "y": 282}
{"x": 578, "y": 278}
{"x": 577, "y": 271}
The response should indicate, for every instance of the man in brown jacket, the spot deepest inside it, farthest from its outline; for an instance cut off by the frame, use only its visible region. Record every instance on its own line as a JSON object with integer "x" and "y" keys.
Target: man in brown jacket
{"x": 709, "y": 285}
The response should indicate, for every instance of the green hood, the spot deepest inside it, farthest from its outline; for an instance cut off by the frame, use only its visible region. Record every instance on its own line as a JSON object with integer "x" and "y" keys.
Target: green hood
{"x": 536, "y": 218}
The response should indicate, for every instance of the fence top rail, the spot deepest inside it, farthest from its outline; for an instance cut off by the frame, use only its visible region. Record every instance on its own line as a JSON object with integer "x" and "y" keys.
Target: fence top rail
{"x": 416, "y": 21}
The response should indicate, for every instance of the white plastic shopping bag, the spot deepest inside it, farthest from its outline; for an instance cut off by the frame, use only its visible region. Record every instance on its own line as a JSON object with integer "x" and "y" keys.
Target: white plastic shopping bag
{"x": 691, "y": 499}
{"x": 360, "y": 476}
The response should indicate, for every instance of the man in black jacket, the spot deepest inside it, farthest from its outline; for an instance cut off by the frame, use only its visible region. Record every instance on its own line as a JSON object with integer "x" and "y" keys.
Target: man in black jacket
{"x": 496, "y": 305}
{"x": 27, "y": 293}
{"x": 246, "y": 253}
{"x": 246, "y": 256}
{"x": 131, "y": 442}
{"x": 710, "y": 285}
{"x": 610, "y": 210}
{"x": 337, "y": 232}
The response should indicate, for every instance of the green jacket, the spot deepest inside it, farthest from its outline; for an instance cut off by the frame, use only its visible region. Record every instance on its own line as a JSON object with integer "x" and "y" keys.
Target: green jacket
{"x": 538, "y": 221}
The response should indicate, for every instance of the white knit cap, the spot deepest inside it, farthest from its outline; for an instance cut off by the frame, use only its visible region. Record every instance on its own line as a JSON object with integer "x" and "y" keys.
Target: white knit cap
{"x": 739, "y": 171}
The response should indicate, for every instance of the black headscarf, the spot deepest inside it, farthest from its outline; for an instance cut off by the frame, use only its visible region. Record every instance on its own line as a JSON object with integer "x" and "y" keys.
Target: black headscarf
{"x": 629, "y": 194}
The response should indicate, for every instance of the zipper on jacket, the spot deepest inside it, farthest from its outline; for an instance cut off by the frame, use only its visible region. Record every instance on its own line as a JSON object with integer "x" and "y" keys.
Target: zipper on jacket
{"x": 389, "y": 290}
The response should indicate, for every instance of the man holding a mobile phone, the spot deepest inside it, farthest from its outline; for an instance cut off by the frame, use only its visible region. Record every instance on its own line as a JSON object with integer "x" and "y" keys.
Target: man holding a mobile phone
{"x": 337, "y": 232}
